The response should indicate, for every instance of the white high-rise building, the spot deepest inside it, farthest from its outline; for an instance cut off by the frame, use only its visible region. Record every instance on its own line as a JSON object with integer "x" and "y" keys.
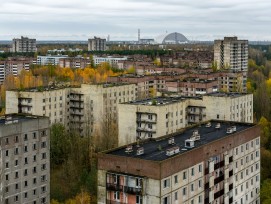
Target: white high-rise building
{"x": 23, "y": 44}
{"x": 231, "y": 54}
{"x": 96, "y": 44}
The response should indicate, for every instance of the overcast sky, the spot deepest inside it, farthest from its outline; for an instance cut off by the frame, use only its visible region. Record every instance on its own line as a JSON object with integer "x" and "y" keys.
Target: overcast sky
{"x": 80, "y": 19}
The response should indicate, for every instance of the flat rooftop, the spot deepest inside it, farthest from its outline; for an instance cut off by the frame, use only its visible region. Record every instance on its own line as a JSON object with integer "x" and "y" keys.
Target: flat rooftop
{"x": 157, "y": 101}
{"x": 155, "y": 149}
{"x": 17, "y": 118}
{"x": 220, "y": 94}
{"x": 161, "y": 100}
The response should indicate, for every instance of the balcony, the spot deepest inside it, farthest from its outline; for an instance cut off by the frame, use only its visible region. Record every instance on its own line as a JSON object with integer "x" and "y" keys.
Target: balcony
{"x": 126, "y": 189}
{"x": 76, "y": 113}
{"x": 114, "y": 187}
{"x": 76, "y": 99}
{"x": 145, "y": 120}
{"x": 77, "y": 106}
{"x": 114, "y": 202}
{"x": 219, "y": 164}
{"x": 219, "y": 193}
{"x": 219, "y": 179}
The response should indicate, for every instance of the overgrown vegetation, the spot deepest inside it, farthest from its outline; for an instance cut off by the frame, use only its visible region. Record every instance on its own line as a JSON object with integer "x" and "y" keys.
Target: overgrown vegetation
{"x": 259, "y": 83}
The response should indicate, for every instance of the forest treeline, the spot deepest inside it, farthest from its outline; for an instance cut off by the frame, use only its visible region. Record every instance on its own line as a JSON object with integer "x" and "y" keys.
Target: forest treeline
{"x": 259, "y": 83}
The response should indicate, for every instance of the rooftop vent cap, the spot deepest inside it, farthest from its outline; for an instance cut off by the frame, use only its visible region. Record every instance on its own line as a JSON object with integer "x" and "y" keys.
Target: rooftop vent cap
{"x": 129, "y": 149}
{"x": 233, "y": 128}
{"x": 208, "y": 125}
{"x": 195, "y": 136}
{"x": 171, "y": 141}
{"x": 172, "y": 151}
{"x": 140, "y": 151}
{"x": 218, "y": 126}
{"x": 229, "y": 130}
{"x": 189, "y": 143}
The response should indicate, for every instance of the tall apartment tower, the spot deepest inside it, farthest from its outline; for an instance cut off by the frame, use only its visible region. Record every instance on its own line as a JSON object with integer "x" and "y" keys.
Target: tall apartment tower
{"x": 231, "y": 54}
{"x": 23, "y": 45}
{"x": 25, "y": 159}
{"x": 96, "y": 44}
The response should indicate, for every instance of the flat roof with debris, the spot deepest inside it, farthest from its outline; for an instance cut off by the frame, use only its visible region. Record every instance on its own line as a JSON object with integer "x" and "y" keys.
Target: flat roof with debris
{"x": 162, "y": 148}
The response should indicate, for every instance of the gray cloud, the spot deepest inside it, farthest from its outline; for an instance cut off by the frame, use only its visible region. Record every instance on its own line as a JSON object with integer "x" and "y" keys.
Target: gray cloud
{"x": 196, "y": 19}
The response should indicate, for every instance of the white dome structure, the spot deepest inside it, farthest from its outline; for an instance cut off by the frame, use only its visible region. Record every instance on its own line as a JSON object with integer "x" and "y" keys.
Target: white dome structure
{"x": 171, "y": 38}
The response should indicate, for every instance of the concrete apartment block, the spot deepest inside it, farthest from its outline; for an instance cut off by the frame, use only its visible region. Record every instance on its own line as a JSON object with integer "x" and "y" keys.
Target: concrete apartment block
{"x": 217, "y": 162}
{"x": 23, "y": 44}
{"x": 25, "y": 159}
{"x": 153, "y": 118}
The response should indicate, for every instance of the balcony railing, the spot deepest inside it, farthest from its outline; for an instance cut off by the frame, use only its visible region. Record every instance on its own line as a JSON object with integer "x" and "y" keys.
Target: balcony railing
{"x": 219, "y": 164}
{"x": 126, "y": 189}
{"x": 219, "y": 179}
{"x": 114, "y": 202}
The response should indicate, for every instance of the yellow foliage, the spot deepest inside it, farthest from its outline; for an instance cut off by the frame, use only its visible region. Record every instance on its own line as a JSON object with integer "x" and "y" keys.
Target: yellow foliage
{"x": 81, "y": 198}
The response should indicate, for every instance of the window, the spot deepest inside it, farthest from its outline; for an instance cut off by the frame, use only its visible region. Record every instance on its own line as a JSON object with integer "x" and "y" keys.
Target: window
{"x": 138, "y": 199}
{"x": 166, "y": 183}
{"x": 7, "y": 153}
{"x": 25, "y": 137}
{"x": 176, "y": 179}
{"x": 192, "y": 171}
{"x": 25, "y": 184}
{"x": 43, "y": 155}
{"x": 200, "y": 184}
{"x": 25, "y": 148}
{"x": 25, "y": 160}
{"x": 34, "y": 170}
{"x": 34, "y": 180}
{"x": 7, "y": 165}
{"x": 16, "y": 139}
{"x": 6, "y": 177}
{"x": 25, "y": 172}
{"x": 200, "y": 199}
{"x": 184, "y": 191}
{"x": 43, "y": 167}
{"x": 43, "y": 189}
{"x": 176, "y": 195}
{"x": 192, "y": 187}
{"x": 200, "y": 168}
{"x": 117, "y": 195}
{"x": 34, "y": 135}
{"x": 34, "y": 158}
{"x": 184, "y": 175}
{"x": 7, "y": 141}
{"x": 16, "y": 162}
{"x": 166, "y": 200}
{"x": 16, "y": 174}
{"x": 16, "y": 186}
{"x": 16, "y": 152}
{"x": 25, "y": 195}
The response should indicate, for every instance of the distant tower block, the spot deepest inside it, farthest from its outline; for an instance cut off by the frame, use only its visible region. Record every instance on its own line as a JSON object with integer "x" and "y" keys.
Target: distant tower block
{"x": 138, "y": 35}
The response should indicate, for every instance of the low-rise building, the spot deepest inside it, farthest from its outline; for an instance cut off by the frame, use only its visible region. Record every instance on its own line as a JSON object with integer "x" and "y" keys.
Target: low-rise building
{"x": 50, "y": 59}
{"x": 14, "y": 66}
{"x": 74, "y": 62}
{"x": 216, "y": 162}
{"x": 25, "y": 159}
{"x": 113, "y": 61}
